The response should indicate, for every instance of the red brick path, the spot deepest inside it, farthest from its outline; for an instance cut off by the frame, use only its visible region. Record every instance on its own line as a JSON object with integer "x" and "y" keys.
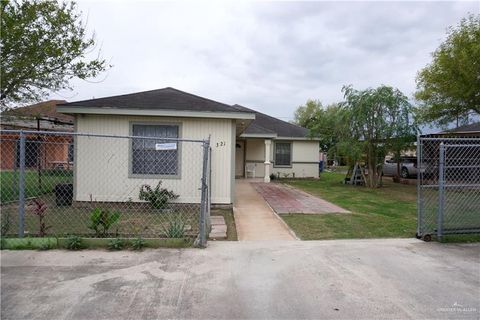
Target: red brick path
{"x": 286, "y": 199}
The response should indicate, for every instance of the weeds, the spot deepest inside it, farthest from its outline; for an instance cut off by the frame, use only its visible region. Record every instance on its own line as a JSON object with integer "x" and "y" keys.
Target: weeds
{"x": 175, "y": 229}
{"x": 116, "y": 244}
{"x": 74, "y": 243}
{"x": 138, "y": 243}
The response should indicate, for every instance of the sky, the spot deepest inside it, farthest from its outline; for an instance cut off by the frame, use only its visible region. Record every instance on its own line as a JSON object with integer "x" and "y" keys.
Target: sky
{"x": 269, "y": 56}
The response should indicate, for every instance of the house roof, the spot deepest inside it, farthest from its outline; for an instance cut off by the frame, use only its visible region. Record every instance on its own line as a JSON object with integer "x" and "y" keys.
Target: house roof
{"x": 173, "y": 102}
{"x": 161, "y": 99}
{"x": 468, "y": 128}
{"x": 265, "y": 124}
{"x": 46, "y": 110}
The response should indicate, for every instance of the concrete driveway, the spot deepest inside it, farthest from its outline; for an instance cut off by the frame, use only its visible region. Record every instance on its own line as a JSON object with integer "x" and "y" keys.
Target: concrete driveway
{"x": 254, "y": 219}
{"x": 367, "y": 279}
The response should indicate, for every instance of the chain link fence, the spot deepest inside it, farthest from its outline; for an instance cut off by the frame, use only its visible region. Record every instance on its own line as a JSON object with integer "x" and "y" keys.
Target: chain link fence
{"x": 448, "y": 186}
{"x": 57, "y": 184}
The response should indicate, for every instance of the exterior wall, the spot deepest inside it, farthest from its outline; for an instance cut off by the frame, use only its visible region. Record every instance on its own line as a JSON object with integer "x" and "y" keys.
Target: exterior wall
{"x": 305, "y": 158}
{"x": 255, "y": 153}
{"x": 51, "y": 150}
{"x": 102, "y": 164}
{"x": 7, "y": 154}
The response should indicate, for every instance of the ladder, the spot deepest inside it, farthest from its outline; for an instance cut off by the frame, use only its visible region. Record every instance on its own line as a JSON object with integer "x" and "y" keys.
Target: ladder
{"x": 354, "y": 176}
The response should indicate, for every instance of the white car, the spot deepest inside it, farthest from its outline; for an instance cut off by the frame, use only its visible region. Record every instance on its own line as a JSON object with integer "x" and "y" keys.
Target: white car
{"x": 408, "y": 167}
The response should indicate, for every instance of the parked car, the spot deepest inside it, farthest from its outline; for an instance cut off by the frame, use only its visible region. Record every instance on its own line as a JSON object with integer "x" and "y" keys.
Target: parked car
{"x": 408, "y": 167}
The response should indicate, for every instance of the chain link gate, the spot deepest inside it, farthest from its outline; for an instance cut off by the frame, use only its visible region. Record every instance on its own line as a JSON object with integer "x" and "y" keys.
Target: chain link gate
{"x": 58, "y": 184}
{"x": 448, "y": 186}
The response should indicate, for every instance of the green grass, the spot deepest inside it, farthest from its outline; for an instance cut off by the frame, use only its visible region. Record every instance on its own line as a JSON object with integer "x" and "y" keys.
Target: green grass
{"x": 389, "y": 211}
{"x": 88, "y": 243}
{"x": 34, "y": 185}
{"x": 386, "y": 212}
{"x": 135, "y": 219}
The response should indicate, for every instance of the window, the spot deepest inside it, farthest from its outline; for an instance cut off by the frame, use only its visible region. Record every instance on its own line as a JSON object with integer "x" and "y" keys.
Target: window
{"x": 283, "y": 154}
{"x": 155, "y": 156}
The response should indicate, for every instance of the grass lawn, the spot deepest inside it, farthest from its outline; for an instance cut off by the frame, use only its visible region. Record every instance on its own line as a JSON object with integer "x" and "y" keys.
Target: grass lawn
{"x": 135, "y": 219}
{"x": 34, "y": 186}
{"x": 390, "y": 211}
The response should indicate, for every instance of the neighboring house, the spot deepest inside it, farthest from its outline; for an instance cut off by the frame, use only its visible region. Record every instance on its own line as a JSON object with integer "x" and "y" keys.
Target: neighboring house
{"x": 468, "y": 130}
{"x": 240, "y": 138}
{"x": 41, "y": 151}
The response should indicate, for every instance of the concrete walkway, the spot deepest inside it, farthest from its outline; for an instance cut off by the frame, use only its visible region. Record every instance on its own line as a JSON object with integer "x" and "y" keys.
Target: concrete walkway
{"x": 254, "y": 219}
{"x": 287, "y": 199}
{"x": 336, "y": 279}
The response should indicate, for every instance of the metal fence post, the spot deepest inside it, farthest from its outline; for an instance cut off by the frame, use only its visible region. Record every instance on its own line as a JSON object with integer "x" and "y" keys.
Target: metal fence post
{"x": 441, "y": 192}
{"x": 21, "y": 188}
{"x": 419, "y": 195}
{"x": 203, "y": 205}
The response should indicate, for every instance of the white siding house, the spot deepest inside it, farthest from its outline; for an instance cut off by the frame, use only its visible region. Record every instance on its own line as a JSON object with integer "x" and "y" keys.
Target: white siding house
{"x": 111, "y": 169}
{"x": 118, "y": 151}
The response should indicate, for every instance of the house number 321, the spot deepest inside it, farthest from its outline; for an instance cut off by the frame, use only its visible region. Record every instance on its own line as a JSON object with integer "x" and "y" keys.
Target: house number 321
{"x": 221, "y": 144}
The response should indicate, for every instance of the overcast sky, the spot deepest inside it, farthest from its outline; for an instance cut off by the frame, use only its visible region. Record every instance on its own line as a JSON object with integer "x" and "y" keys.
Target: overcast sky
{"x": 270, "y": 56}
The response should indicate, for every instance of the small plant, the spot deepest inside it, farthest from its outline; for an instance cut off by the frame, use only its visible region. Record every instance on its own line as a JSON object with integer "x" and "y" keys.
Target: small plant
{"x": 157, "y": 197}
{"x": 101, "y": 220}
{"x": 138, "y": 243}
{"x": 5, "y": 224}
{"x": 175, "y": 229}
{"x": 74, "y": 243}
{"x": 45, "y": 246}
{"x": 116, "y": 244}
{"x": 272, "y": 176}
{"x": 40, "y": 210}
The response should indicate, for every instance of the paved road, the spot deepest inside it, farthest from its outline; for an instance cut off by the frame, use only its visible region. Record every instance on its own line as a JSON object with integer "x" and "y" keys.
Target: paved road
{"x": 367, "y": 279}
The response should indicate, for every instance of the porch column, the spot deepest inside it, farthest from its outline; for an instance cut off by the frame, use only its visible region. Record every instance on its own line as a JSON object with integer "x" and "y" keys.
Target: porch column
{"x": 268, "y": 144}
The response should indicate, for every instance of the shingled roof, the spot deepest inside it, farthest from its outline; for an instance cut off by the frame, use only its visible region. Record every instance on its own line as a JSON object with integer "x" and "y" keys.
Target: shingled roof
{"x": 265, "y": 124}
{"x": 161, "y": 99}
{"x": 171, "y": 99}
{"x": 468, "y": 128}
{"x": 43, "y": 110}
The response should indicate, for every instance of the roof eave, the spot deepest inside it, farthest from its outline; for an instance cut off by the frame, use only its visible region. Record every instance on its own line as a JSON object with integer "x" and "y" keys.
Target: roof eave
{"x": 157, "y": 112}
{"x": 259, "y": 135}
{"x": 299, "y": 138}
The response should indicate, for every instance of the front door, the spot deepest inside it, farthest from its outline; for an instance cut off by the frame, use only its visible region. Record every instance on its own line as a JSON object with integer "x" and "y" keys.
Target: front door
{"x": 239, "y": 158}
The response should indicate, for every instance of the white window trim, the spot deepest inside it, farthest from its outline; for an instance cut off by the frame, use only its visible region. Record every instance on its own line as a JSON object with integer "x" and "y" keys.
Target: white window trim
{"x": 155, "y": 176}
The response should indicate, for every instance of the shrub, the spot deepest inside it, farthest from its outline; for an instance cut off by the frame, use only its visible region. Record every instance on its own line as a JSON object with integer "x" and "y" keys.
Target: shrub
{"x": 157, "y": 197}
{"x": 74, "y": 243}
{"x": 40, "y": 210}
{"x": 5, "y": 224}
{"x": 45, "y": 246}
{"x": 116, "y": 244}
{"x": 272, "y": 176}
{"x": 138, "y": 243}
{"x": 102, "y": 219}
{"x": 175, "y": 229}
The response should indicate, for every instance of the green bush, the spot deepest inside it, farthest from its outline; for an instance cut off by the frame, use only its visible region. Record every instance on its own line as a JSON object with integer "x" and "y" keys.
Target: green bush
{"x": 5, "y": 223}
{"x": 101, "y": 220}
{"x": 74, "y": 243}
{"x": 116, "y": 244}
{"x": 157, "y": 197}
{"x": 138, "y": 243}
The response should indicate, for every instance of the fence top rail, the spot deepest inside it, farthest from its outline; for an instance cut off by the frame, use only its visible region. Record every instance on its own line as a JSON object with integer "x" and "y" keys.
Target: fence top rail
{"x": 462, "y": 145}
{"x": 450, "y": 139}
{"x": 60, "y": 133}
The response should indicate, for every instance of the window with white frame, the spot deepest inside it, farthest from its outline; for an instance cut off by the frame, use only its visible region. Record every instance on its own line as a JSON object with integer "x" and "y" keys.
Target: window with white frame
{"x": 155, "y": 156}
{"x": 283, "y": 154}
